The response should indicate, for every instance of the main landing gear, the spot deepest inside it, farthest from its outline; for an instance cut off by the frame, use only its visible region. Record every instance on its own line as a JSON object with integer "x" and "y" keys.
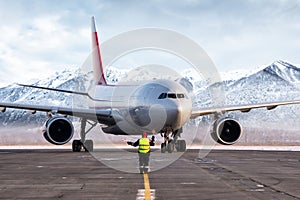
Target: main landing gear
{"x": 87, "y": 145}
{"x": 171, "y": 144}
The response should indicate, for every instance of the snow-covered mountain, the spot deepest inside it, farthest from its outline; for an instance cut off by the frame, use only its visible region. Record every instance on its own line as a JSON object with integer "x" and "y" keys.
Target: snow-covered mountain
{"x": 276, "y": 82}
{"x": 279, "y": 81}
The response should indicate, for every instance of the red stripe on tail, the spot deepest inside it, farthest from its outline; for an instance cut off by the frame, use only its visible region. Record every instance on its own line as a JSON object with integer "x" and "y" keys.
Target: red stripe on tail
{"x": 99, "y": 78}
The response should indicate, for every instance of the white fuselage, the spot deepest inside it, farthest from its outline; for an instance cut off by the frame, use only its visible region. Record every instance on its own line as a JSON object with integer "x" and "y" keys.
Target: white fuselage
{"x": 152, "y": 106}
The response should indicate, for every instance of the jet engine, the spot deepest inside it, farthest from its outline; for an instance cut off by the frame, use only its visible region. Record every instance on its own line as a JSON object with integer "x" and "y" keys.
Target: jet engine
{"x": 58, "y": 130}
{"x": 140, "y": 115}
{"x": 226, "y": 131}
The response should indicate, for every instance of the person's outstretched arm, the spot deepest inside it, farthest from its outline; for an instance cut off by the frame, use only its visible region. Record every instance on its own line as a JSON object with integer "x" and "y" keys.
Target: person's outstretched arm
{"x": 152, "y": 141}
{"x": 135, "y": 144}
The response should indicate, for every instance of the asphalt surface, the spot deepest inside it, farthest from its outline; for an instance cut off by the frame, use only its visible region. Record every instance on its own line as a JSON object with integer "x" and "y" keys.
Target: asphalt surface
{"x": 62, "y": 174}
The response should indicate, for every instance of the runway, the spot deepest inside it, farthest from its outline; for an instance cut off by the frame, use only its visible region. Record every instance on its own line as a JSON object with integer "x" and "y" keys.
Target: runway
{"x": 222, "y": 174}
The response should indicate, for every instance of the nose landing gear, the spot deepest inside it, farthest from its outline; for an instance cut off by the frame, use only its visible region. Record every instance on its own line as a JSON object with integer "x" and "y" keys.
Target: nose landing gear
{"x": 171, "y": 144}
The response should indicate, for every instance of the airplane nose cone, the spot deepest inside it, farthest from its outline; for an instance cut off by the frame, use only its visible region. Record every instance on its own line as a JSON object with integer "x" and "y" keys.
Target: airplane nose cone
{"x": 172, "y": 113}
{"x": 178, "y": 113}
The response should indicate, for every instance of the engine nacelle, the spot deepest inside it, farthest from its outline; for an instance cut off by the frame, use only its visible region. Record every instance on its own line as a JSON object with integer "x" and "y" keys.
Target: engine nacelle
{"x": 226, "y": 131}
{"x": 58, "y": 130}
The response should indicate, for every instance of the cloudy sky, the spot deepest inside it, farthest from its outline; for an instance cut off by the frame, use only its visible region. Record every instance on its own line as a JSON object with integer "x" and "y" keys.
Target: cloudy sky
{"x": 40, "y": 37}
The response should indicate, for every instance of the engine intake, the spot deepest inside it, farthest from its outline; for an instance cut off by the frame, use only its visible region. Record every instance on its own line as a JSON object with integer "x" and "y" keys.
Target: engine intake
{"x": 58, "y": 130}
{"x": 226, "y": 131}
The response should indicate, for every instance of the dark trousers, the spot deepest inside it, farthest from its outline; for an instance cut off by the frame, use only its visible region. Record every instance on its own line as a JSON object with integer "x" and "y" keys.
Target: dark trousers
{"x": 144, "y": 159}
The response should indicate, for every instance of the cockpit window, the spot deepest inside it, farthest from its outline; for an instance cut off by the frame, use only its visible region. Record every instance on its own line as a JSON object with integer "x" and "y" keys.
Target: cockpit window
{"x": 162, "y": 96}
{"x": 180, "y": 96}
{"x": 171, "y": 96}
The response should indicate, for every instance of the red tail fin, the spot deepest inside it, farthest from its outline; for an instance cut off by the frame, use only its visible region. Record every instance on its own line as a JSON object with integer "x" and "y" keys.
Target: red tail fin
{"x": 99, "y": 78}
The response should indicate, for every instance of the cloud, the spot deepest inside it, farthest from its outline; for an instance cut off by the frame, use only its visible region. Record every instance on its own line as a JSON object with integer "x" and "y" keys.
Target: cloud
{"x": 39, "y": 44}
{"x": 39, "y": 37}
{"x": 37, "y": 49}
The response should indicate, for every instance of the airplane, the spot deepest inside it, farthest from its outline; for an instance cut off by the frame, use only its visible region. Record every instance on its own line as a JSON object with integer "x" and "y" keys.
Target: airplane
{"x": 160, "y": 106}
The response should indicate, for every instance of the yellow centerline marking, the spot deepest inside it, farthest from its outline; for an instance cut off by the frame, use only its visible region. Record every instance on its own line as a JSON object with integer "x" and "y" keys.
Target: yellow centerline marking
{"x": 147, "y": 187}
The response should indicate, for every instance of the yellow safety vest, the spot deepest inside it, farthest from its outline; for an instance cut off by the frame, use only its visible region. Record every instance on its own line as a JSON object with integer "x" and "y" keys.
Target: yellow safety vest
{"x": 144, "y": 145}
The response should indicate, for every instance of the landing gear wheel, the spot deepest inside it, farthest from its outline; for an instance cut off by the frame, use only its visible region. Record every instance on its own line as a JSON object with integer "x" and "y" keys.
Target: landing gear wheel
{"x": 181, "y": 145}
{"x": 76, "y": 145}
{"x": 163, "y": 147}
{"x": 88, "y": 145}
{"x": 171, "y": 146}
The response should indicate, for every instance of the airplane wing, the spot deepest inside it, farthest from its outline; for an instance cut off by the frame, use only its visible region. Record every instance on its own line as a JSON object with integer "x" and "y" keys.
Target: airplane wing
{"x": 242, "y": 108}
{"x": 96, "y": 115}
